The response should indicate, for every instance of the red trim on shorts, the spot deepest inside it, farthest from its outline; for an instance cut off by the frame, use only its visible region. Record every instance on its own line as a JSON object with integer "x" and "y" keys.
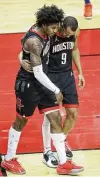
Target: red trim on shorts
{"x": 20, "y": 116}
{"x": 71, "y": 105}
{"x": 48, "y": 109}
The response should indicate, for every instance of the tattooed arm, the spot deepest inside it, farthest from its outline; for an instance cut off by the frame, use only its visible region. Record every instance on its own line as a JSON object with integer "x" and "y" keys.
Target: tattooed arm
{"x": 34, "y": 46}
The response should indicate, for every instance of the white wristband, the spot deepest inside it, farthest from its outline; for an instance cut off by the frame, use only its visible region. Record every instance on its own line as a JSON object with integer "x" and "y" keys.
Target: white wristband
{"x": 57, "y": 91}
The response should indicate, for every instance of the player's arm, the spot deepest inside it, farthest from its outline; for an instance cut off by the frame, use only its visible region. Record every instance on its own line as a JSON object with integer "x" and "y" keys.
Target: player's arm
{"x": 77, "y": 33}
{"x": 25, "y": 63}
{"x": 35, "y": 48}
{"x": 76, "y": 53}
{"x": 76, "y": 58}
{"x": 77, "y": 62}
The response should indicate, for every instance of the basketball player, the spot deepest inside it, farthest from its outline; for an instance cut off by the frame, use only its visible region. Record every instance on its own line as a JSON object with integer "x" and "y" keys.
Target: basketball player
{"x": 63, "y": 47}
{"x": 88, "y": 9}
{"x": 29, "y": 87}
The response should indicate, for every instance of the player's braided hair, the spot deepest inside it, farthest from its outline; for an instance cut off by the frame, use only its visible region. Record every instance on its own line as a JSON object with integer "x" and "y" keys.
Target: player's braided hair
{"x": 48, "y": 15}
{"x": 71, "y": 22}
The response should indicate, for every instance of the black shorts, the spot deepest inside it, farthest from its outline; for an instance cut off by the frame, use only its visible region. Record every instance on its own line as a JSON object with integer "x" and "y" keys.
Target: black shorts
{"x": 66, "y": 82}
{"x": 28, "y": 96}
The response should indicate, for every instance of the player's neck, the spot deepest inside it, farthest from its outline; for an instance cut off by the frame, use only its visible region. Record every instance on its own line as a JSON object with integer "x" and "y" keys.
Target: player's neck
{"x": 61, "y": 32}
{"x": 40, "y": 30}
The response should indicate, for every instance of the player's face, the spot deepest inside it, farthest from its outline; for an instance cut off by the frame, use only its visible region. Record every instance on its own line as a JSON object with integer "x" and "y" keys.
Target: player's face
{"x": 52, "y": 29}
{"x": 68, "y": 32}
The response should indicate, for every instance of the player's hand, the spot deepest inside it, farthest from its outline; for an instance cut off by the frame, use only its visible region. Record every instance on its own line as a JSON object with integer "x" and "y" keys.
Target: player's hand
{"x": 26, "y": 65}
{"x": 59, "y": 97}
{"x": 81, "y": 82}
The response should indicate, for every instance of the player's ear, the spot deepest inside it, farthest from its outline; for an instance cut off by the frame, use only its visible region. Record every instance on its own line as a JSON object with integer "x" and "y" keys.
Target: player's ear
{"x": 44, "y": 27}
{"x": 61, "y": 24}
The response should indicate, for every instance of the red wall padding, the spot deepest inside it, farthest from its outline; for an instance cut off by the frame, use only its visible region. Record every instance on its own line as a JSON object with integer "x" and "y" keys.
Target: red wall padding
{"x": 89, "y": 40}
{"x": 86, "y": 134}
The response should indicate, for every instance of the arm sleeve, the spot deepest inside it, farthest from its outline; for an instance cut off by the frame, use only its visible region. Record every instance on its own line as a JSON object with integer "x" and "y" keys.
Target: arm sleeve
{"x": 44, "y": 80}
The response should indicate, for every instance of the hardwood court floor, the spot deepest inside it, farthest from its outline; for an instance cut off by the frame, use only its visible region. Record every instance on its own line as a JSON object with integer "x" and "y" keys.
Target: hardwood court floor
{"x": 90, "y": 159}
{"x": 18, "y": 15}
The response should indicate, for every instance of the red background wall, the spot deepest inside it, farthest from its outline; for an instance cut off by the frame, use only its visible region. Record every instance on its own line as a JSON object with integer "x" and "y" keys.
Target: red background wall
{"x": 86, "y": 134}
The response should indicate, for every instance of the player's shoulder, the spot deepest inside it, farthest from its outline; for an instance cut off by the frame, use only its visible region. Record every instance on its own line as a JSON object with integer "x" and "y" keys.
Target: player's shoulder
{"x": 77, "y": 33}
{"x": 34, "y": 40}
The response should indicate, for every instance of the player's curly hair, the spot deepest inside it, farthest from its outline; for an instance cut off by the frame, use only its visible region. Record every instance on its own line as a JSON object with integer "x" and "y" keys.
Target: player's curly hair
{"x": 71, "y": 22}
{"x": 48, "y": 15}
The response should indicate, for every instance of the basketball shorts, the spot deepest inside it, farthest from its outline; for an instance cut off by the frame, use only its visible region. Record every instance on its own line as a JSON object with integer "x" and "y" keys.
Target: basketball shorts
{"x": 66, "y": 82}
{"x": 28, "y": 96}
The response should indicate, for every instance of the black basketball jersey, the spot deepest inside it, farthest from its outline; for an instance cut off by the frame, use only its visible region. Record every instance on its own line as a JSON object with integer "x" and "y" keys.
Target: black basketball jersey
{"x": 26, "y": 55}
{"x": 60, "y": 59}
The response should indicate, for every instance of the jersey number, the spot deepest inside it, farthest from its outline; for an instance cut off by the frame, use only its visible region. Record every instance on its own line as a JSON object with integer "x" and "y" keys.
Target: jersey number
{"x": 64, "y": 58}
